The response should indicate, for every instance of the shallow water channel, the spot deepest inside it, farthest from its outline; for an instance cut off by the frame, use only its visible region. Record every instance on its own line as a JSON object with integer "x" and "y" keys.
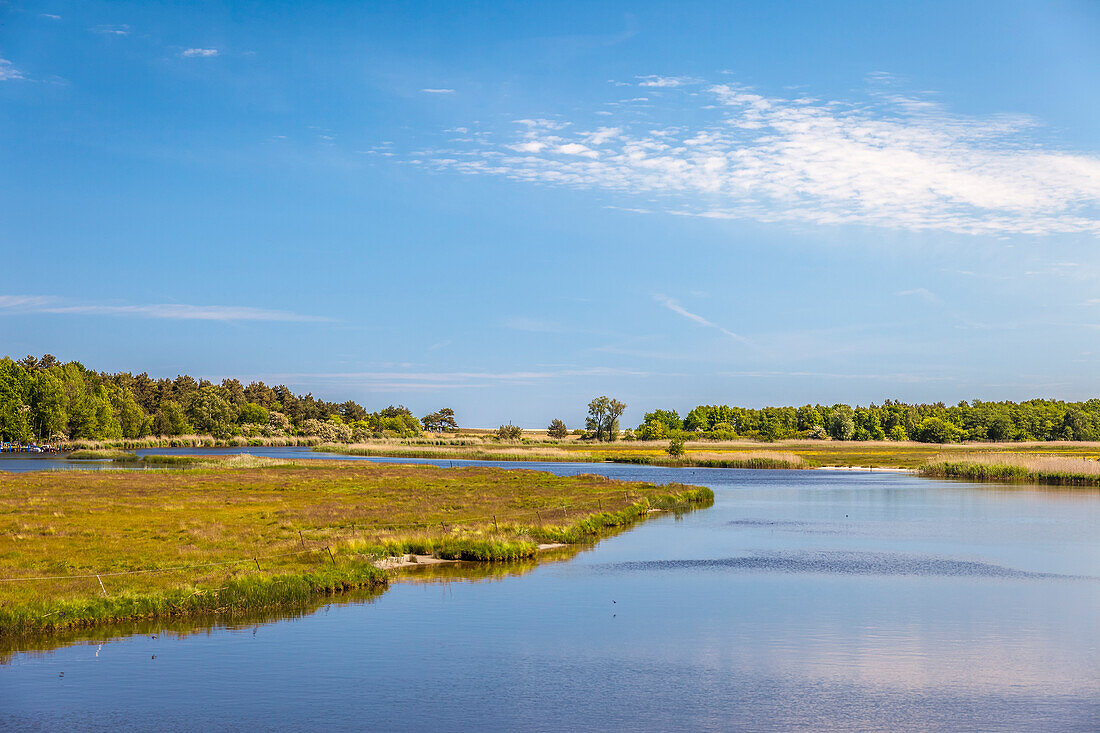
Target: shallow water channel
{"x": 802, "y": 599}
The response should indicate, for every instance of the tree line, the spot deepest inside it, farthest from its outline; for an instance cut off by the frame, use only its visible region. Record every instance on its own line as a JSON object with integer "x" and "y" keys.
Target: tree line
{"x": 1041, "y": 420}
{"x": 44, "y": 399}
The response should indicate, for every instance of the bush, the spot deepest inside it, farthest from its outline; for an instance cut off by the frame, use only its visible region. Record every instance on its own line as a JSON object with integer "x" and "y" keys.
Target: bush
{"x": 509, "y": 432}
{"x": 557, "y": 429}
{"x": 675, "y": 448}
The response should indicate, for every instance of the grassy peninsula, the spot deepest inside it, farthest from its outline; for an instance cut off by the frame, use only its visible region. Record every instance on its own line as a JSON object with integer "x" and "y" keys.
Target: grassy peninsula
{"x": 79, "y": 548}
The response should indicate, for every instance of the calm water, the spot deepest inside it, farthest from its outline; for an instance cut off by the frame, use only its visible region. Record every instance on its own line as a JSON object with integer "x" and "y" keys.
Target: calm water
{"x": 811, "y": 600}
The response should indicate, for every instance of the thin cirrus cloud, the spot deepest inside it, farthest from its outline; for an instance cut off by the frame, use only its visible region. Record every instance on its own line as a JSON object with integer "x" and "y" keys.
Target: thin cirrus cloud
{"x": 51, "y": 305}
{"x": 390, "y": 381}
{"x": 887, "y": 161}
{"x": 923, "y": 293}
{"x": 112, "y": 30}
{"x": 8, "y": 72}
{"x": 437, "y": 91}
{"x": 675, "y": 307}
{"x": 200, "y": 53}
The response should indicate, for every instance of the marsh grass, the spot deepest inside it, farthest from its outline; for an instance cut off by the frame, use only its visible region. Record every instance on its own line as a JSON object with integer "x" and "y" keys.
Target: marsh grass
{"x": 1016, "y": 467}
{"x": 701, "y": 459}
{"x": 466, "y": 451}
{"x": 193, "y": 441}
{"x": 711, "y": 454}
{"x": 103, "y": 454}
{"x": 245, "y": 532}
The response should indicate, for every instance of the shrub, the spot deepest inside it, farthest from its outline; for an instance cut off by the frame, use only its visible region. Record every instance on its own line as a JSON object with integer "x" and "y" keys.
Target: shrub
{"x": 509, "y": 432}
{"x": 675, "y": 448}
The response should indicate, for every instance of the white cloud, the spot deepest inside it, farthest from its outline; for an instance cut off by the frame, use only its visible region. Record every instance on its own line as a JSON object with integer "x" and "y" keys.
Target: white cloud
{"x": 893, "y": 162}
{"x": 438, "y": 91}
{"x": 112, "y": 30}
{"x": 528, "y": 147}
{"x": 578, "y": 149}
{"x": 49, "y": 16}
{"x": 199, "y": 53}
{"x": 48, "y": 304}
{"x": 9, "y": 72}
{"x": 675, "y": 307}
{"x": 660, "y": 81}
{"x": 602, "y": 135}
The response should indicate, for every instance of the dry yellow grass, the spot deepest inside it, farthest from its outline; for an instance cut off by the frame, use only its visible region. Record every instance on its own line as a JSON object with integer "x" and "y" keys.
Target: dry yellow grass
{"x": 1035, "y": 463}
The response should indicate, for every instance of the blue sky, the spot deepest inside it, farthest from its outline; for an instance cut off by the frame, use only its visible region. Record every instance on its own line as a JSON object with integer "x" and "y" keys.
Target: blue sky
{"x": 511, "y": 208}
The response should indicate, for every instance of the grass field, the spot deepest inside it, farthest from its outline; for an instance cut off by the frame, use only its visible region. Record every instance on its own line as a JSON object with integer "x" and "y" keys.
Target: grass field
{"x": 243, "y": 533}
{"x": 793, "y": 454}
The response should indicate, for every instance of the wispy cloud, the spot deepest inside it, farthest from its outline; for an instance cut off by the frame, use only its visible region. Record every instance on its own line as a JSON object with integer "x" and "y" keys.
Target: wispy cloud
{"x": 199, "y": 53}
{"x": 888, "y": 161}
{"x": 111, "y": 30}
{"x": 8, "y": 72}
{"x": 438, "y": 91}
{"x": 47, "y": 304}
{"x": 675, "y": 307}
{"x": 399, "y": 381}
{"x": 49, "y": 16}
{"x": 901, "y": 378}
{"x": 923, "y": 293}
{"x": 653, "y": 80}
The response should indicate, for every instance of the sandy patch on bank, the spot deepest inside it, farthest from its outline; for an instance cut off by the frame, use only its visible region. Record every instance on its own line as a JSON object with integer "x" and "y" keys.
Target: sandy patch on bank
{"x": 412, "y": 561}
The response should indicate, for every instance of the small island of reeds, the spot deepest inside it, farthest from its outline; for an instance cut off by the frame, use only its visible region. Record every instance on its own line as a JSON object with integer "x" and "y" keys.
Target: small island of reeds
{"x": 232, "y": 535}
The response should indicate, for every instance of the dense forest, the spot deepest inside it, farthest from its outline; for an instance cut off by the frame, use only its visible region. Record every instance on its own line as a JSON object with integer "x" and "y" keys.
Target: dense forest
{"x": 43, "y": 399}
{"x": 935, "y": 423}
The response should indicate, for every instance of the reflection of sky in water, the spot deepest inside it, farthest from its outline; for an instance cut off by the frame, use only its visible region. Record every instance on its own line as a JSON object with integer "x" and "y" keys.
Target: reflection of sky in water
{"x": 808, "y": 600}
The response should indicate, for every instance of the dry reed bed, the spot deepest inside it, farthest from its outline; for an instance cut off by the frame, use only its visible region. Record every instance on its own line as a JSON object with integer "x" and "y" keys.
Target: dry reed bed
{"x": 282, "y": 532}
{"x": 1032, "y": 468}
{"x": 812, "y": 453}
{"x": 192, "y": 441}
{"x": 703, "y": 459}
